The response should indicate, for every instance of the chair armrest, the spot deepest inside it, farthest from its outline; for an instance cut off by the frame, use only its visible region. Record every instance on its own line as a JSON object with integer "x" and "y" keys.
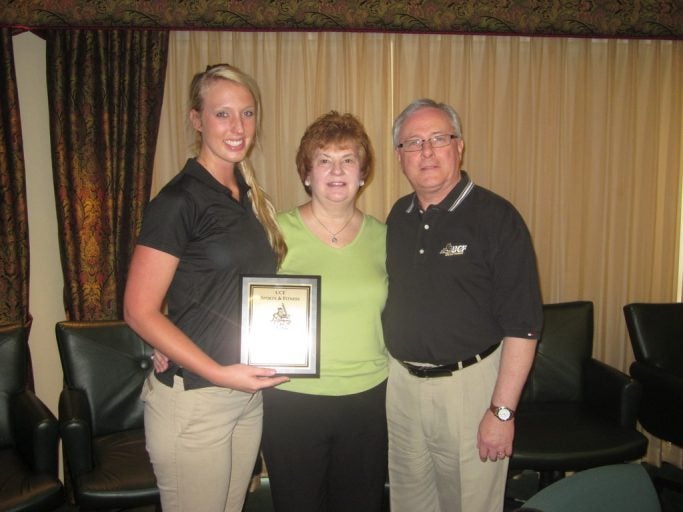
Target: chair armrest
{"x": 76, "y": 431}
{"x": 36, "y": 432}
{"x": 656, "y": 378}
{"x": 611, "y": 393}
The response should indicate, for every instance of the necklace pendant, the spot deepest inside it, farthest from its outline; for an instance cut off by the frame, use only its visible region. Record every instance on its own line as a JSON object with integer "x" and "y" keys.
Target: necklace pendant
{"x": 334, "y": 239}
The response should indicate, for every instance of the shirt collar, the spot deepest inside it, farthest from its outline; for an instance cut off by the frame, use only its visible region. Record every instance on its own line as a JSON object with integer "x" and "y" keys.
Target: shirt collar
{"x": 454, "y": 198}
{"x": 199, "y": 172}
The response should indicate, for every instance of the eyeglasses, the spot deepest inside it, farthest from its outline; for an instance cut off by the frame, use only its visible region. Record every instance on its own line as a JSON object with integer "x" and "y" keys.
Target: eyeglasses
{"x": 436, "y": 141}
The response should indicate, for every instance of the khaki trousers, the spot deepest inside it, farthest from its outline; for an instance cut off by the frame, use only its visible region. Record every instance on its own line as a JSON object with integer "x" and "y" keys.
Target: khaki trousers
{"x": 434, "y": 463}
{"x": 202, "y": 443}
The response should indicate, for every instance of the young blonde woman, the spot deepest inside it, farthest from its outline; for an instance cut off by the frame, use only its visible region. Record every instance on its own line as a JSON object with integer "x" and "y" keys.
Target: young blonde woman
{"x": 208, "y": 225}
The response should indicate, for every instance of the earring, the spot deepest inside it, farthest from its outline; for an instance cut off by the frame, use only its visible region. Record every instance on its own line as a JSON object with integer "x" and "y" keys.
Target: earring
{"x": 307, "y": 183}
{"x": 362, "y": 182}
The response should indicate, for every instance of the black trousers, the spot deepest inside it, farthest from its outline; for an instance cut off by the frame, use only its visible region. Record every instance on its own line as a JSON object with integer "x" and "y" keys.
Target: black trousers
{"x": 325, "y": 453}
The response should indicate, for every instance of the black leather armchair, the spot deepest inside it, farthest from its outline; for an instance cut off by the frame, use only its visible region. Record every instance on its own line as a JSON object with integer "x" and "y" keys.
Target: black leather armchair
{"x": 101, "y": 415}
{"x": 656, "y": 333}
{"x": 29, "y": 434}
{"x": 576, "y": 412}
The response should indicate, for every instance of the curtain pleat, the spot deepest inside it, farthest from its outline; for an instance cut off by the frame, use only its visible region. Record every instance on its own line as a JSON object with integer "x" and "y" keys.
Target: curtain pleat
{"x": 14, "y": 252}
{"x": 105, "y": 91}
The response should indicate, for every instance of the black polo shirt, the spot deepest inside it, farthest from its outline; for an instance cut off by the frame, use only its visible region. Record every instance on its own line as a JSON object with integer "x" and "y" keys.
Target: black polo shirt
{"x": 462, "y": 276}
{"x": 216, "y": 238}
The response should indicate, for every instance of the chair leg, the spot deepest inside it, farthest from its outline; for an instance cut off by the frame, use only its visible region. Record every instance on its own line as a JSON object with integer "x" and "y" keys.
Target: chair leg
{"x": 546, "y": 478}
{"x": 668, "y": 482}
{"x": 667, "y": 476}
{"x": 520, "y": 486}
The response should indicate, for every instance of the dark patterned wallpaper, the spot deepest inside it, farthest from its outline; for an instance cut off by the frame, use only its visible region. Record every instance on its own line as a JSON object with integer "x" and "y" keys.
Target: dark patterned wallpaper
{"x": 582, "y": 18}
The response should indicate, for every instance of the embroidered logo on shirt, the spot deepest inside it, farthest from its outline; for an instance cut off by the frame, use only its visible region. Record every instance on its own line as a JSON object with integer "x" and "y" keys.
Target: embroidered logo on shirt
{"x": 453, "y": 250}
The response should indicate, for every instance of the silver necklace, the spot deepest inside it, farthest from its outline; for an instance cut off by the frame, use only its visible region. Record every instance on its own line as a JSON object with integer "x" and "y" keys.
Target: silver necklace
{"x": 333, "y": 236}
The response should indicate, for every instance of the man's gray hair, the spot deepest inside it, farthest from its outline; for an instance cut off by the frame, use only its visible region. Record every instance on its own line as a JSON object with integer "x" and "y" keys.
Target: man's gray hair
{"x": 426, "y": 103}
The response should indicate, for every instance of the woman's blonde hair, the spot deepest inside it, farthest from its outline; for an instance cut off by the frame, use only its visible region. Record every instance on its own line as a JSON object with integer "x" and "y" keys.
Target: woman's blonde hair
{"x": 261, "y": 203}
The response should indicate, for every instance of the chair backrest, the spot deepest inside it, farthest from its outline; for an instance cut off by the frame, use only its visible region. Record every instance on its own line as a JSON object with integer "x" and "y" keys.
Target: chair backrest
{"x": 13, "y": 366}
{"x": 108, "y": 362}
{"x": 656, "y": 333}
{"x": 566, "y": 344}
{"x": 614, "y": 488}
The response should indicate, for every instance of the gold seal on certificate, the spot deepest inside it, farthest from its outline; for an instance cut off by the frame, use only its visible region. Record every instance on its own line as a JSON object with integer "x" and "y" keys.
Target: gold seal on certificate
{"x": 280, "y": 323}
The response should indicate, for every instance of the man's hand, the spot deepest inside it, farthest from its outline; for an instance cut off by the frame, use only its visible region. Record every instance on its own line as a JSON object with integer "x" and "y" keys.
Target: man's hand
{"x": 494, "y": 438}
{"x": 160, "y": 361}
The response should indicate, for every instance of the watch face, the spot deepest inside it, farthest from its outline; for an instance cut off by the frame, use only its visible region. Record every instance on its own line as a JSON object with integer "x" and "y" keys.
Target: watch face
{"x": 503, "y": 413}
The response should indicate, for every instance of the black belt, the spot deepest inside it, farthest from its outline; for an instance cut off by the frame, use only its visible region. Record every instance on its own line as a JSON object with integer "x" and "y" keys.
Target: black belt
{"x": 447, "y": 369}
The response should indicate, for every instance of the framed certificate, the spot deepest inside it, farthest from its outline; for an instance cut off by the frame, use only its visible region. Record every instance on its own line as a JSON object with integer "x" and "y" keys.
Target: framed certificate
{"x": 281, "y": 323}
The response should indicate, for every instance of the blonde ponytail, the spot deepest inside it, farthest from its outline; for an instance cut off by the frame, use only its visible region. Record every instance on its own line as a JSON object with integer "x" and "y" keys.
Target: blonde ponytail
{"x": 264, "y": 211}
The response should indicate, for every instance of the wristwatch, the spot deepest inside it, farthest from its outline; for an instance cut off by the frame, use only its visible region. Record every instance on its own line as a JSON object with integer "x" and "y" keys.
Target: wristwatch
{"x": 502, "y": 413}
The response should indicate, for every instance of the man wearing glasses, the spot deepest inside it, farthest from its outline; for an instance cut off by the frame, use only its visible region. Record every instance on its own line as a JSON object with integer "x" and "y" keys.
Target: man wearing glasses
{"x": 461, "y": 322}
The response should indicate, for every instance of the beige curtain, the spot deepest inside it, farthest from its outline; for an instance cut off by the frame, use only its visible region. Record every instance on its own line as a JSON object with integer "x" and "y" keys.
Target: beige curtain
{"x": 584, "y": 136}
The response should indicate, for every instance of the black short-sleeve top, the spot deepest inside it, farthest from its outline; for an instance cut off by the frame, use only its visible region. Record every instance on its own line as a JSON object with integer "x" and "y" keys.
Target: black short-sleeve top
{"x": 216, "y": 239}
{"x": 462, "y": 276}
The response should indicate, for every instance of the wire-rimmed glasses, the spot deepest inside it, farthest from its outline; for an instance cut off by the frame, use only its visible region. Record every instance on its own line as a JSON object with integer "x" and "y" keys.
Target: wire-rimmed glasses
{"x": 439, "y": 140}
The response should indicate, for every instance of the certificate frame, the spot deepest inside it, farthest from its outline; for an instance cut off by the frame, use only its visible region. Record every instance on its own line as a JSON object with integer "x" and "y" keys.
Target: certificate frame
{"x": 280, "y": 328}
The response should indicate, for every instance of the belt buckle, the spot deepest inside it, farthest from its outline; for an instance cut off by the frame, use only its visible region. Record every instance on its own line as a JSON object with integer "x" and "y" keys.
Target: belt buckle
{"x": 439, "y": 372}
{"x": 428, "y": 372}
{"x": 416, "y": 372}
